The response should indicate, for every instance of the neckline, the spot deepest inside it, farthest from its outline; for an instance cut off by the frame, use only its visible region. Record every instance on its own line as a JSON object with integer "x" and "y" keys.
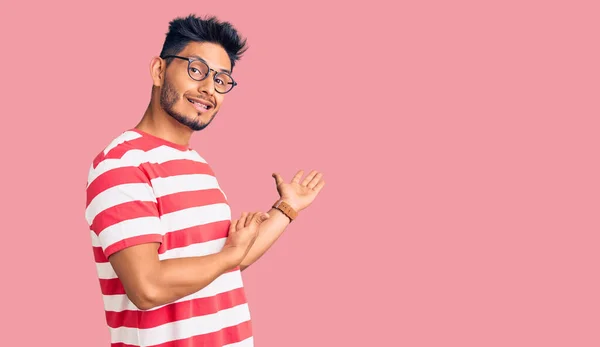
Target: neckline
{"x": 161, "y": 140}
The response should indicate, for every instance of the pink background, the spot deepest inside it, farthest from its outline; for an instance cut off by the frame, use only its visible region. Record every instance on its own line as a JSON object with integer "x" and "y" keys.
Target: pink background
{"x": 459, "y": 141}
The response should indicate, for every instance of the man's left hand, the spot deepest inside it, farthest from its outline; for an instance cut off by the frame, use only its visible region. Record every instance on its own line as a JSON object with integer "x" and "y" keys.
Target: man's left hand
{"x": 299, "y": 195}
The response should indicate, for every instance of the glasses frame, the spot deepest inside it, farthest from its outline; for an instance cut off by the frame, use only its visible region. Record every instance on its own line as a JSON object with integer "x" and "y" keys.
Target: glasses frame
{"x": 191, "y": 60}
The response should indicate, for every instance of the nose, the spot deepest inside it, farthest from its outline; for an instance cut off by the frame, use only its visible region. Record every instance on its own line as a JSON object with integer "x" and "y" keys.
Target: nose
{"x": 207, "y": 85}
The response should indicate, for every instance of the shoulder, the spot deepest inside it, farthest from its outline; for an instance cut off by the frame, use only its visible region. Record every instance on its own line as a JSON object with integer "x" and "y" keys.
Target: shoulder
{"x": 123, "y": 151}
{"x": 115, "y": 176}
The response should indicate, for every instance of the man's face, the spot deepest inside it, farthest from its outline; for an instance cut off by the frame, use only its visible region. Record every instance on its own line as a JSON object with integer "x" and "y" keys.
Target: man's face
{"x": 190, "y": 102}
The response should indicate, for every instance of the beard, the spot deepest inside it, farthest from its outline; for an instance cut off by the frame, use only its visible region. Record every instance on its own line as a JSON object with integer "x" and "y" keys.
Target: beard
{"x": 169, "y": 98}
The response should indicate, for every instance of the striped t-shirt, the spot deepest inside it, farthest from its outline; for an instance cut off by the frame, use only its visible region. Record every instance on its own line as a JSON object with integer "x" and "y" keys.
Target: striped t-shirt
{"x": 141, "y": 189}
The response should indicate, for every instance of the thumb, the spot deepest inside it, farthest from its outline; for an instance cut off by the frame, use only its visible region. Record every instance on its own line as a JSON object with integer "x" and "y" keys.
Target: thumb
{"x": 259, "y": 218}
{"x": 278, "y": 179}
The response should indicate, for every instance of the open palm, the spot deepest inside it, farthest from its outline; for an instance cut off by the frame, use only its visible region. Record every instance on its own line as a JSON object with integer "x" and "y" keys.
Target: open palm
{"x": 300, "y": 194}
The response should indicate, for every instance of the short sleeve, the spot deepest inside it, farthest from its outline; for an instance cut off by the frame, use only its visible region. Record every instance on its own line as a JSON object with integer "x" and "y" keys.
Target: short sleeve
{"x": 121, "y": 209}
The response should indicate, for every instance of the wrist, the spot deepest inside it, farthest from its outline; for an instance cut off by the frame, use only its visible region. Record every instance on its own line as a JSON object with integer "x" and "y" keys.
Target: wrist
{"x": 287, "y": 208}
{"x": 292, "y": 204}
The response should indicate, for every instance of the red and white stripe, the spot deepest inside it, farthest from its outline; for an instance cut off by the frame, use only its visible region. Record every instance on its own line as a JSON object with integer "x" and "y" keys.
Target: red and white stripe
{"x": 143, "y": 190}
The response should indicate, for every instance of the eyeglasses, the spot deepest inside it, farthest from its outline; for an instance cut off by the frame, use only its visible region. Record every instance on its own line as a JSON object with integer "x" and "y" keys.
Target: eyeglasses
{"x": 199, "y": 70}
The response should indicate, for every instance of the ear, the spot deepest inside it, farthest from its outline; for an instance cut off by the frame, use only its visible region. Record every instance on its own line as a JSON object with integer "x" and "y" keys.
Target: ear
{"x": 157, "y": 71}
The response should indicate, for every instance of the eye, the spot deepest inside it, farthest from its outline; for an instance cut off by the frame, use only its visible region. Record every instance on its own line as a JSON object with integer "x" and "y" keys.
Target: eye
{"x": 220, "y": 81}
{"x": 196, "y": 72}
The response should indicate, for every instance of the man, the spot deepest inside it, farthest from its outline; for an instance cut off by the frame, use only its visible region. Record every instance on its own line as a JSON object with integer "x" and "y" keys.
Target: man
{"x": 168, "y": 256}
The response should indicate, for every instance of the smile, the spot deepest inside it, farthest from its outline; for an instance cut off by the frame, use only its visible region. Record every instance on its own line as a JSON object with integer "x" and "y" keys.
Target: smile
{"x": 200, "y": 105}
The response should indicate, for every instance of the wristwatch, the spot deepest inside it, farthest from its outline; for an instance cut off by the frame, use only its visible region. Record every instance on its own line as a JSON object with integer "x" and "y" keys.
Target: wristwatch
{"x": 286, "y": 209}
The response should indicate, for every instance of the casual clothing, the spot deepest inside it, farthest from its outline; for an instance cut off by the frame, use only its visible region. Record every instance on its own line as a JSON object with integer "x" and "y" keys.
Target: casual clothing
{"x": 142, "y": 189}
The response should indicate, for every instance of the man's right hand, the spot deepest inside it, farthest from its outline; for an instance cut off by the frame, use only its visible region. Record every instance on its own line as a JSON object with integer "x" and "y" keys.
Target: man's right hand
{"x": 242, "y": 234}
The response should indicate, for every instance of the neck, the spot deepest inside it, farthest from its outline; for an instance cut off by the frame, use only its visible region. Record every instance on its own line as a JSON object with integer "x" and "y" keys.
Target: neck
{"x": 158, "y": 123}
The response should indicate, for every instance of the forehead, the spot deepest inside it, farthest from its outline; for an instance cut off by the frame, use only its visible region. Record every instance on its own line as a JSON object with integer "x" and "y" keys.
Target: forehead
{"x": 213, "y": 54}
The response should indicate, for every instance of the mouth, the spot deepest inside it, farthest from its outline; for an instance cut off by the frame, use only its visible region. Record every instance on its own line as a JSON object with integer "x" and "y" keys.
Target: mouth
{"x": 200, "y": 105}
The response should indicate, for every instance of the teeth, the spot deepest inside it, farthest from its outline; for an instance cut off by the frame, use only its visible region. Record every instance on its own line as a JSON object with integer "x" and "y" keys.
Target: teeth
{"x": 197, "y": 103}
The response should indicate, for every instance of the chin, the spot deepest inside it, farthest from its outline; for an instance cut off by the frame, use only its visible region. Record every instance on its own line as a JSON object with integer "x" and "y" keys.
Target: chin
{"x": 193, "y": 120}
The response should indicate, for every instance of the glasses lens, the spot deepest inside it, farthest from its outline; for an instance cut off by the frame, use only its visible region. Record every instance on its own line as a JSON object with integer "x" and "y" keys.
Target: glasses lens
{"x": 223, "y": 82}
{"x": 198, "y": 70}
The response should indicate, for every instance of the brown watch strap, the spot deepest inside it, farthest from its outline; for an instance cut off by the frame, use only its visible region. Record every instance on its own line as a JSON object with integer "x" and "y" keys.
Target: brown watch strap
{"x": 286, "y": 209}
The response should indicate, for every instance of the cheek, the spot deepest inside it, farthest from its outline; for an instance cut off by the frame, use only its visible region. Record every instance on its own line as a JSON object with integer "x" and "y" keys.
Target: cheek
{"x": 182, "y": 87}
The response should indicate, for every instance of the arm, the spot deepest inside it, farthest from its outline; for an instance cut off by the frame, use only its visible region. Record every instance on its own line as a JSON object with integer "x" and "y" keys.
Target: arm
{"x": 149, "y": 282}
{"x": 299, "y": 195}
{"x": 268, "y": 233}
{"x": 122, "y": 213}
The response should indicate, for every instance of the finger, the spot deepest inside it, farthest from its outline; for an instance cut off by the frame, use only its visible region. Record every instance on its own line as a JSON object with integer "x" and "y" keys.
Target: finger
{"x": 319, "y": 186}
{"x": 297, "y": 176}
{"x": 309, "y": 178}
{"x": 278, "y": 179}
{"x": 242, "y": 221}
{"x": 232, "y": 226}
{"x": 249, "y": 219}
{"x": 315, "y": 180}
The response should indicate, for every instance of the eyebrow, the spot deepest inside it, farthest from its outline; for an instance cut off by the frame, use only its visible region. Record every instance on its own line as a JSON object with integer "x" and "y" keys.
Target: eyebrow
{"x": 199, "y": 57}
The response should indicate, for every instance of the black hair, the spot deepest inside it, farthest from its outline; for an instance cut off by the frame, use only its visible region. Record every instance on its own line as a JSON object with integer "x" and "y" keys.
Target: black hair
{"x": 195, "y": 29}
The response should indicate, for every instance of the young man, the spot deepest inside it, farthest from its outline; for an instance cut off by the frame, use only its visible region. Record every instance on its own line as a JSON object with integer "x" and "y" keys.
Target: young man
{"x": 168, "y": 255}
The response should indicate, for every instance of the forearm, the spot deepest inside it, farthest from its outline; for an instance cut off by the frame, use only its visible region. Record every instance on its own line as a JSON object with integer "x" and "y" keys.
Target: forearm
{"x": 176, "y": 278}
{"x": 268, "y": 233}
